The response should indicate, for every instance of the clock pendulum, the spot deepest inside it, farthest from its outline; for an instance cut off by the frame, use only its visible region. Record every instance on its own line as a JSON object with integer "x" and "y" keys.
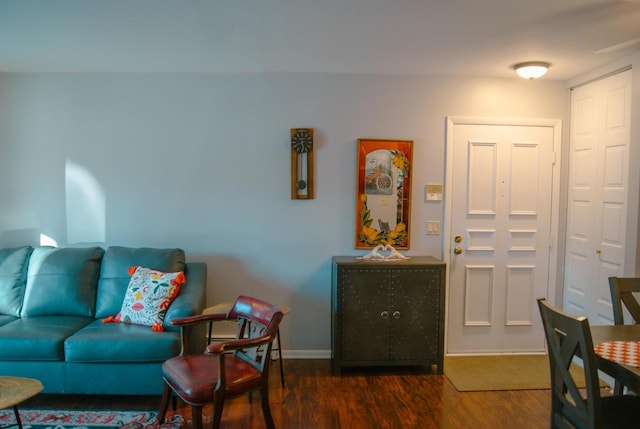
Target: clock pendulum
{"x": 301, "y": 163}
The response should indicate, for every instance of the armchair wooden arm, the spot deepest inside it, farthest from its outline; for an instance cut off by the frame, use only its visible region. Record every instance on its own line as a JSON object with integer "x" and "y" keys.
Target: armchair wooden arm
{"x": 185, "y": 323}
{"x": 241, "y": 344}
{"x": 200, "y": 318}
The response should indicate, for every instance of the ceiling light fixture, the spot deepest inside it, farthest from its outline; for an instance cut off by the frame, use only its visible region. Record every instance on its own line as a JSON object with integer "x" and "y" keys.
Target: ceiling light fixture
{"x": 531, "y": 69}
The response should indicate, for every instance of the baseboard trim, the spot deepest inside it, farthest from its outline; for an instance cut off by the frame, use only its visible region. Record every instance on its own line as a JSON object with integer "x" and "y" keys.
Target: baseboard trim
{"x": 306, "y": 354}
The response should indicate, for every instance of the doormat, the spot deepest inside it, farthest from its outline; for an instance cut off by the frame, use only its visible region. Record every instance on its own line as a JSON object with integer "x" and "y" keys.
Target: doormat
{"x": 89, "y": 419}
{"x": 512, "y": 372}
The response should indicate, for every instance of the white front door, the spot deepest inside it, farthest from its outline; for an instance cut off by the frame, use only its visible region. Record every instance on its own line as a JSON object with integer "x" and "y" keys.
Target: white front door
{"x": 598, "y": 192}
{"x": 502, "y": 202}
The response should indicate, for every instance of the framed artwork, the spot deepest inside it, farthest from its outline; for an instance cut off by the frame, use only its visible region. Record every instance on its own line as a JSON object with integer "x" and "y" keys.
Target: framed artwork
{"x": 383, "y": 193}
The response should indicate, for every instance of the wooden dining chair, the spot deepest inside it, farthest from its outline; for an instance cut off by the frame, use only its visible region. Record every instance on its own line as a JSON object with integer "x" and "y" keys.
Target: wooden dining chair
{"x": 622, "y": 290}
{"x": 227, "y": 368}
{"x": 569, "y": 337}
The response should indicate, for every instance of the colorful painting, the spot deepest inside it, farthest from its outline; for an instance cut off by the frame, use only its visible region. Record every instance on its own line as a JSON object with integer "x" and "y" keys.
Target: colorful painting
{"x": 383, "y": 202}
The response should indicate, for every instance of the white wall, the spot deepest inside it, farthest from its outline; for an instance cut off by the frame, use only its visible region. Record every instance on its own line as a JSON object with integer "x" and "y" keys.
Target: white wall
{"x": 201, "y": 161}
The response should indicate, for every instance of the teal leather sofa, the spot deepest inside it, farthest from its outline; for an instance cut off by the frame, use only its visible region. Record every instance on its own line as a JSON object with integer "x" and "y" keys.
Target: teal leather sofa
{"x": 52, "y": 305}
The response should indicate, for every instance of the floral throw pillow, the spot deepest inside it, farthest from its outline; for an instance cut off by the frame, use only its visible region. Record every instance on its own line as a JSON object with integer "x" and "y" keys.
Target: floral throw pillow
{"x": 149, "y": 294}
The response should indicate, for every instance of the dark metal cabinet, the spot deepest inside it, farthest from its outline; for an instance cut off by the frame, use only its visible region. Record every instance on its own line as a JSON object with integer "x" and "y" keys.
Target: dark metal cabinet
{"x": 387, "y": 313}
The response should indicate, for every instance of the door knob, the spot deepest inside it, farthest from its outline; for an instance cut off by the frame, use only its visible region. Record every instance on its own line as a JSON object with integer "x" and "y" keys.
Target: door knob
{"x": 457, "y": 239}
{"x": 457, "y": 250}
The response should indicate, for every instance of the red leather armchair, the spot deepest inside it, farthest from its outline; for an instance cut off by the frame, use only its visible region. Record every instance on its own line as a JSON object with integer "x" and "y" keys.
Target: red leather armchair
{"x": 226, "y": 368}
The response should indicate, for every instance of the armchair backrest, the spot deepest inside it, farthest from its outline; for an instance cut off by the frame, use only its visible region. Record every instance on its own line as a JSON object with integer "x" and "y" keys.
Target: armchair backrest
{"x": 256, "y": 318}
{"x": 622, "y": 290}
{"x": 567, "y": 337}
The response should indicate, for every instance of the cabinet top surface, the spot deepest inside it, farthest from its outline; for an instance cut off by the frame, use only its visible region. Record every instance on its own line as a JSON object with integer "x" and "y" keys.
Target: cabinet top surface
{"x": 413, "y": 260}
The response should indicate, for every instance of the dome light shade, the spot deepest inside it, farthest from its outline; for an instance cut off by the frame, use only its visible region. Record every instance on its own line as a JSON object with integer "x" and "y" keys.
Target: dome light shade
{"x": 531, "y": 69}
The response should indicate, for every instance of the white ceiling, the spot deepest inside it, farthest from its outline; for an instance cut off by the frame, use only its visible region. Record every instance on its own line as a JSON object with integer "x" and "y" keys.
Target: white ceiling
{"x": 432, "y": 37}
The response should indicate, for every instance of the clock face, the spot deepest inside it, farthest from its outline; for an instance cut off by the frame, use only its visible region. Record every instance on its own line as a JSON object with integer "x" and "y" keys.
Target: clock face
{"x": 301, "y": 141}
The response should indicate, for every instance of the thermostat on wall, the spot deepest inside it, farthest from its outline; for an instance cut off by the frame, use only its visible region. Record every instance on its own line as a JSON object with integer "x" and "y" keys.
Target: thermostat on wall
{"x": 433, "y": 192}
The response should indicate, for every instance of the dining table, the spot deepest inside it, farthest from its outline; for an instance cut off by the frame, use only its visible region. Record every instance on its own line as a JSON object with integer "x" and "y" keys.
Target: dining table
{"x": 605, "y": 339}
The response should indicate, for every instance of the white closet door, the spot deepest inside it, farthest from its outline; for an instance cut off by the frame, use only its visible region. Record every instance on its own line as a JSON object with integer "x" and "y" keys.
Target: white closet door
{"x": 598, "y": 191}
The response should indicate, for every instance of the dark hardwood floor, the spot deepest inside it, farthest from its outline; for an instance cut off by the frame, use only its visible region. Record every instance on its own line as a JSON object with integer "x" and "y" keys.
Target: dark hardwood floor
{"x": 361, "y": 398}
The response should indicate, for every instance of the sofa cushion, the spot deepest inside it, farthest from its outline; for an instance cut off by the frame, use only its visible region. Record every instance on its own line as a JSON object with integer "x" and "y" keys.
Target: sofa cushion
{"x": 5, "y": 318}
{"x": 118, "y": 342}
{"x": 114, "y": 275}
{"x": 38, "y": 338}
{"x": 13, "y": 278}
{"x": 62, "y": 281}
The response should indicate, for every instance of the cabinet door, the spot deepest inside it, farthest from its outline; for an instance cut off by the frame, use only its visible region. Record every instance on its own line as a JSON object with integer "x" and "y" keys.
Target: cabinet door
{"x": 415, "y": 312}
{"x": 365, "y": 329}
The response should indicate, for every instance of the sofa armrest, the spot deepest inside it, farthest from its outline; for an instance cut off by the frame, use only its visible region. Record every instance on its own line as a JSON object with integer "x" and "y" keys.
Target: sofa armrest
{"x": 191, "y": 299}
{"x": 190, "y": 302}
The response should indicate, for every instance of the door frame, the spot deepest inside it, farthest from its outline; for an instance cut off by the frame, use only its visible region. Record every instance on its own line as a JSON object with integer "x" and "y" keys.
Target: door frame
{"x": 556, "y": 125}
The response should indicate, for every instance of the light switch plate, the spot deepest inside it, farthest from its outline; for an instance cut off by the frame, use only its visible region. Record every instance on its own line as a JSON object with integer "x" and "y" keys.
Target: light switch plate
{"x": 433, "y": 227}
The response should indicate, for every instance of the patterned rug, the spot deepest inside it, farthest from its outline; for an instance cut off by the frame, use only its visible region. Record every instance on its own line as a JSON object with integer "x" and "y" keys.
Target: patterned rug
{"x": 94, "y": 419}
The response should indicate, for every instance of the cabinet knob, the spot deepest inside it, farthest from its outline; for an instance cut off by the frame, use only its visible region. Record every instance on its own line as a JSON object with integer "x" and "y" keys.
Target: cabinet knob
{"x": 384, "y": 314}
{"x": 457, "y": 250}
{"x": 396, "y": 314}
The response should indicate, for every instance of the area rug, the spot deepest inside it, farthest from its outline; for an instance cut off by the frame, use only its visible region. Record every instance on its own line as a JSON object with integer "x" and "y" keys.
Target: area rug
{"x": 89, "y": 419}
{"x": 513, "y": 372}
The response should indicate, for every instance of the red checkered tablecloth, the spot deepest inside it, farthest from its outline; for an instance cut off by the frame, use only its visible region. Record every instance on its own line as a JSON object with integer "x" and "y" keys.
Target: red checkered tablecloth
{"x": 624, "y": 352}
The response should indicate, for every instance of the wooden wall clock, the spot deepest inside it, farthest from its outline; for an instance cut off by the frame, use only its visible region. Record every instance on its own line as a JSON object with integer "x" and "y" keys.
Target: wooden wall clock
{"x": 301, "y": 163}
